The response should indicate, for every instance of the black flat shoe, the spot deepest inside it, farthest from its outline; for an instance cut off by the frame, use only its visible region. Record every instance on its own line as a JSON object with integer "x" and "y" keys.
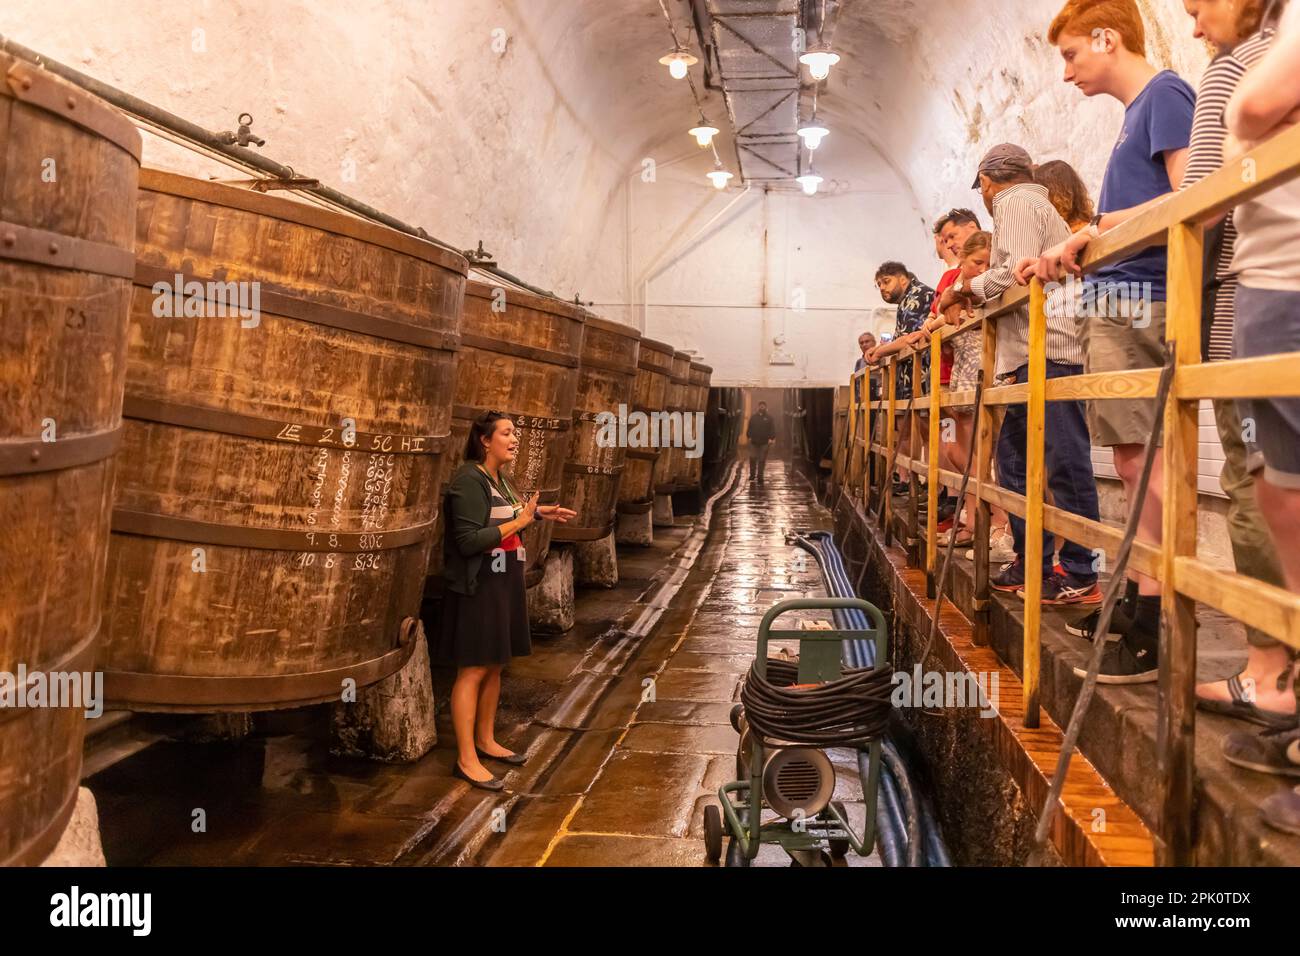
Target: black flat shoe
{"x": 494, "y": 784}
{"x": 515, "y": 760}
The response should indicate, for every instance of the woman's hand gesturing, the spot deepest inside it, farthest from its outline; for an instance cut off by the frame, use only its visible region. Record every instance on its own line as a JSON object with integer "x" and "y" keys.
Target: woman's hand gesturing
{"x": 555, "y": 513}
{"x": 528, "y": 513}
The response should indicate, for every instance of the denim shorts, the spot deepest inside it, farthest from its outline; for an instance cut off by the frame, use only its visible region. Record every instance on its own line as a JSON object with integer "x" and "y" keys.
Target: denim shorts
{"x": 1268, "y": 323}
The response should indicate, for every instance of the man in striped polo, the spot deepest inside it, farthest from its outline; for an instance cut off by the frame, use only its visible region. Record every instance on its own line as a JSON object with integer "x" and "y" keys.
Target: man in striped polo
{"x": 1024, "y": 224}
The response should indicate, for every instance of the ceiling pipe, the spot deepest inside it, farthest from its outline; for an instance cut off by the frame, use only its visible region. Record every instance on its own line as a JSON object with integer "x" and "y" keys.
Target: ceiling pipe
{"x": 155, "y": 116}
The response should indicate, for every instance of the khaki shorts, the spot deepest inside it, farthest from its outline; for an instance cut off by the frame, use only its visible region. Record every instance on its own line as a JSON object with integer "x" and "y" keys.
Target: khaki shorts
{"x": 1114, "y": 342}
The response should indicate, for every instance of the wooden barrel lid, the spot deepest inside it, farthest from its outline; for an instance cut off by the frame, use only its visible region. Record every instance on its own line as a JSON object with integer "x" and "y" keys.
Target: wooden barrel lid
{"x": 528, "y": 300}
{"x": 290, "y": 210}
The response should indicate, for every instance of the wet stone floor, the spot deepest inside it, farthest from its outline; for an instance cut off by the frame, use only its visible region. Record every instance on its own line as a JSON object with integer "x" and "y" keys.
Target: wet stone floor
{"x": 628, "y": 739}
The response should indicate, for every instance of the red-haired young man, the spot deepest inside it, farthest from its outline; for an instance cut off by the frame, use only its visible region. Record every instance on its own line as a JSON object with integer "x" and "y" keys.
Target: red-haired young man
{"x": 1122, "y": 321}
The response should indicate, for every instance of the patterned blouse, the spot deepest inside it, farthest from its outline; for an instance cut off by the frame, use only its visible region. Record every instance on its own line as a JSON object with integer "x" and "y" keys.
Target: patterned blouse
{"x": 913, "y": 311}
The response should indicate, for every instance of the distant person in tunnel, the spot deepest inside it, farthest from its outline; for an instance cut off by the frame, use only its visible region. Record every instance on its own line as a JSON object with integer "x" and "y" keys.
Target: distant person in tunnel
{"x": 761, "y": 433}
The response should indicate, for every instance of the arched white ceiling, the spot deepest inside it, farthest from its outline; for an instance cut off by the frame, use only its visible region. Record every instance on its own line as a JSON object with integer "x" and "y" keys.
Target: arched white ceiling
{"x": 414, "y": 106}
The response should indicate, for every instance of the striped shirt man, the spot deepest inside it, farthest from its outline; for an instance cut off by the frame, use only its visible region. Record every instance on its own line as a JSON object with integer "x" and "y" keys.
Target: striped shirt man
{"x": 1025, "y": 223}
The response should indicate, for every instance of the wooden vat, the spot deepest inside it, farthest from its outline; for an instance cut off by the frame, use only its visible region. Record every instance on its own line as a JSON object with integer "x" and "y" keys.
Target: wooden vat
{"x": 281, "y": 471}
{"x": 654, "y": 369}
{"x": 519, "y": 355}
{"x": 606, "y": 380}
{"x": 68, "y": 172}
{"x": 671, "y": 468}
{"x": 697, "y": 403}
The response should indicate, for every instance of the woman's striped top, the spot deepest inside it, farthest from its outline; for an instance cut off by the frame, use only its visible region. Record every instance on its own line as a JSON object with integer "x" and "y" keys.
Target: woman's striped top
{"x": 504, "y": 509}
{"x": 1206, "y": 156}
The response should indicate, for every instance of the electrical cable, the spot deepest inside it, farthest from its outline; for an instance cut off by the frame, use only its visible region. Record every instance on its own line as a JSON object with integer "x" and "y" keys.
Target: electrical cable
{"x": 852, "y": 711}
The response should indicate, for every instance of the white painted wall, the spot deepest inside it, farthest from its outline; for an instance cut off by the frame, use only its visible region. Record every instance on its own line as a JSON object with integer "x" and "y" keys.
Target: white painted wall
{"x": 538, "y": 149}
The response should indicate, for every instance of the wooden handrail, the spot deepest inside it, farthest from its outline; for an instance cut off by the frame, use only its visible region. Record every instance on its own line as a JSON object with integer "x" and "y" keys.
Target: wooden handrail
{"x": 1176, "y": 221}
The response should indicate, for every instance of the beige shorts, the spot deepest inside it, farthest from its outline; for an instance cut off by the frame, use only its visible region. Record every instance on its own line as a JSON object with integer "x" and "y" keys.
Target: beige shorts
{"x": 1114, "y": 343}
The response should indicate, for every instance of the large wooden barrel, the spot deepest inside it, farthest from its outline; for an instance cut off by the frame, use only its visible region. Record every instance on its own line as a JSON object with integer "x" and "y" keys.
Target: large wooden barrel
{"x": 520, "y": 354}
{"x": 68, "y": 171}
{"x": 736, "y": 412}
{"x": 636, "y": 491}
{"x": 719, "y": 432}
{"x": 282, "y": 465}
{"x": 697, "y": 403}
{"x": 672, "y": 468}
{"x": 606, "y": 379}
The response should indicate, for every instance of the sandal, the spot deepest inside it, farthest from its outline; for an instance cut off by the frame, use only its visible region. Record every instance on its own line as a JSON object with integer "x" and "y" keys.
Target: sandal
{"x": 1242, "y": 709}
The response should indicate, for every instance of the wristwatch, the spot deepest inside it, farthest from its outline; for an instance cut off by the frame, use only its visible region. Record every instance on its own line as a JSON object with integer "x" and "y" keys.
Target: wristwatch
{"x": 1094, "y": 227}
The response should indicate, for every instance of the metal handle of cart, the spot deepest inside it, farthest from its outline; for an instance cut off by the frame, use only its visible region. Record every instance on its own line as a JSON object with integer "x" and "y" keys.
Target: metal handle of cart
{"x": 820, "y": 659}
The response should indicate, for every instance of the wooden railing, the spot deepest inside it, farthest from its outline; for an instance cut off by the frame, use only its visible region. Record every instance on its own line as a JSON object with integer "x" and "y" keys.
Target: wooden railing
{"x": 1178, "y": 221}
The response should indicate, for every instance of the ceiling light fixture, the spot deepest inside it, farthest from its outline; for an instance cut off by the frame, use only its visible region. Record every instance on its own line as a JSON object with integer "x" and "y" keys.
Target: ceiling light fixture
{"x": 704, "y": 133}
{"x": 678, "y": 62}
{"x": 719, "y": 176}
{"x": 813, "y": 135}
{"x": 819, "y": 59}
{"x": 809, "y": 181}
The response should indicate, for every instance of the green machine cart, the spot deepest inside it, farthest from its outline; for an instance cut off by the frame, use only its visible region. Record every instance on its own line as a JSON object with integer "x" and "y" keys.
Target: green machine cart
{"x": 795, "y": 783}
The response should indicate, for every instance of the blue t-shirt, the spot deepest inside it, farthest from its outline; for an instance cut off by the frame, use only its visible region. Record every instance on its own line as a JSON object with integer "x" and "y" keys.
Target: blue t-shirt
{"x": 1158, "y": 121}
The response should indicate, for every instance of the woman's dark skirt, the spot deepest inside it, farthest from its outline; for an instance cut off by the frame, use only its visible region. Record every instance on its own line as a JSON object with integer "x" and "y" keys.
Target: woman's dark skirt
{"x": 490, "y": 627}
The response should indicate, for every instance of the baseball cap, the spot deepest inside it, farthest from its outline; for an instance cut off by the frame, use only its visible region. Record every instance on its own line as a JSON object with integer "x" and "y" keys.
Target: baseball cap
{"x": 1005, "y": 158}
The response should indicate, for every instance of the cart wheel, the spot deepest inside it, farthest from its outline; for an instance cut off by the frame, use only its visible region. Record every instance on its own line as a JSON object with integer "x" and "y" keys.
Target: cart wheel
{"x": 736, "y": 711}
{"x": 734, "y": 856}
{"x": 712, "y": 833}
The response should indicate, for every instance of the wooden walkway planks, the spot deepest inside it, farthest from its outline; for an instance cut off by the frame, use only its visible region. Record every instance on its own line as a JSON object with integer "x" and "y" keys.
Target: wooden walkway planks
{"x": 1080, "y": 834}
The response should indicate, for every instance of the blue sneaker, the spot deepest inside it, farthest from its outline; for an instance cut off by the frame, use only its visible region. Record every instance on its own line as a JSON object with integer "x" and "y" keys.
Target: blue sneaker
{"x": 1011, "y": 577}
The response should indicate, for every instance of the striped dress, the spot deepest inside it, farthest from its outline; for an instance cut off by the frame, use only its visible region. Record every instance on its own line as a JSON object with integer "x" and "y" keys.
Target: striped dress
{"x": 1205, "y": 156}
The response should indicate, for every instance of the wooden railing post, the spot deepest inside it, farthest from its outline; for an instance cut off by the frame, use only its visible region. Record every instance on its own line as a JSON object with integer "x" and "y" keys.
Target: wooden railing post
{"x": 1176, "y": 712}
{"x": 914, "y": 445}
{"x": 983, "y": 475}
{"x": 855, "y": 397}
{"x": 1036, "y": 414}
{"x": 932, "y": 470}
{"x": 891, "y": 436}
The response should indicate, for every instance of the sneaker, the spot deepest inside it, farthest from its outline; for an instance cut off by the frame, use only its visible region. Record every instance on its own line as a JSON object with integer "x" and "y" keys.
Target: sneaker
{"x": 944, "y": 525}
{"x": 1086, "y": 627}
{"x": 1062, "y": 589}
{"x": 1011, "y": 577}
{"x": 1002, "y": 547}
{"x": 1127, "y": 661}
{"x": 964, "y": 537}
{"x": 1269, "y": 751}
{"x": 1281, "y": 811}
{"x": 901, "y": 488}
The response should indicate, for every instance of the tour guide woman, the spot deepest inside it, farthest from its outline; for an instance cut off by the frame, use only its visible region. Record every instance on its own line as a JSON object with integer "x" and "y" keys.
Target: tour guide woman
{"x": 484, "y": 611}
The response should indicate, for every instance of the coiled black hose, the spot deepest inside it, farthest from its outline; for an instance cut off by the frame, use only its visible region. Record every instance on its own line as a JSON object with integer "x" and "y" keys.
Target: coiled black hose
{"x": 849, "y": 712}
